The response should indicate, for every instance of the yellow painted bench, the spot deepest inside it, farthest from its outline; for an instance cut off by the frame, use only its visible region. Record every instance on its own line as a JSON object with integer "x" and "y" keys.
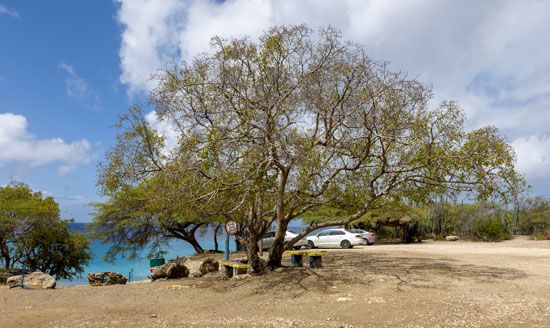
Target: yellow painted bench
{"x": 233, "y": 268}
{"x": 315, "y": 258}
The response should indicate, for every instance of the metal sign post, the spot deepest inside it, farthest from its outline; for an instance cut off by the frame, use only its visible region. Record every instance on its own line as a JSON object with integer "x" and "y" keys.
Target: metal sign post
{"x": 231, "y": 228}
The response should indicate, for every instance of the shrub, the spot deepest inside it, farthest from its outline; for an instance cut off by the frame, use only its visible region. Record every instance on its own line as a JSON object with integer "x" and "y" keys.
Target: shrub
{"x": 541, "y": 235}
{"x": 490, "y": 230}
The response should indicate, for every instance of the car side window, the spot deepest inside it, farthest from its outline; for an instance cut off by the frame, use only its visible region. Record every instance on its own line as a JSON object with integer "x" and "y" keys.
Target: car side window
{"x": 324, "y": 233}
{"x": 337, "y": 233}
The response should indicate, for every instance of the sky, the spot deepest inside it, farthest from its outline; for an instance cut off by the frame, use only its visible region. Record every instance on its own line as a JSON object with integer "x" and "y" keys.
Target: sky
{"x": 69, "y": 68}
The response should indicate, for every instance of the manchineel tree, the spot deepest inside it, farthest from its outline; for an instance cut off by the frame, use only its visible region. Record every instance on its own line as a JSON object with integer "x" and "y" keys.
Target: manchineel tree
{"x": 296, "y": 121}
{"x": 33, "y": 236}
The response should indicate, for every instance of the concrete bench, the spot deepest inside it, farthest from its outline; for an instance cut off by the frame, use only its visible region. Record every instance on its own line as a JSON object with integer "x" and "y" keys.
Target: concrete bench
{"x": 315, "y": 258}
{"x": 233, "y": 268}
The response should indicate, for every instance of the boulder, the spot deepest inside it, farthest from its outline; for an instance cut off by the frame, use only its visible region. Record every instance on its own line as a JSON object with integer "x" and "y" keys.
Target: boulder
{"x": 175, "y": 270}
{"x": 452, "y": 238}
{"x": 35, "y": 280}
{"x": 209, "y": 265}
{"x": 172, "y": 270}
{"x": 106, "y": 278}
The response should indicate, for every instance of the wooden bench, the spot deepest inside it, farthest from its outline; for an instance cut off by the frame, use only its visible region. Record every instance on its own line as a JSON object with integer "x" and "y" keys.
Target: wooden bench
{"x": 233, "y": 268}
{"x": 315, "y": 258}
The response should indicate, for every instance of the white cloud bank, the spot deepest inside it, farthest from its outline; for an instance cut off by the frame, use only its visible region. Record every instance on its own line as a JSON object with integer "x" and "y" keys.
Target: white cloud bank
{"x": 492, "y": 56}
{"x": 18, "y": 145}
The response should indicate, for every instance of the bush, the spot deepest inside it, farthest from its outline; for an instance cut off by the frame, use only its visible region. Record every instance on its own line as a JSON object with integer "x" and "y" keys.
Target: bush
{"x": 490, "y": 230}
{"x": 541, "y": 235}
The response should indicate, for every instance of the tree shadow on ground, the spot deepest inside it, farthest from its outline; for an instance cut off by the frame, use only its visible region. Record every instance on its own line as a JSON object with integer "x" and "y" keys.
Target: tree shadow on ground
{"x": 405, "y": 273}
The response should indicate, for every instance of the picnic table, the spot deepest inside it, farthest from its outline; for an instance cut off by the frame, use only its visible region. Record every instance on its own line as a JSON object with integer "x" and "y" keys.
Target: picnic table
{"x": 315, "y": 258}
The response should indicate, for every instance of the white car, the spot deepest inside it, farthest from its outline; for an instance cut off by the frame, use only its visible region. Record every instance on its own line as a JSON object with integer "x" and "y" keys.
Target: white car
{"x": 369, "y": 238}
{"x": 269, "y": 237}
{"x": 334, "y": 238}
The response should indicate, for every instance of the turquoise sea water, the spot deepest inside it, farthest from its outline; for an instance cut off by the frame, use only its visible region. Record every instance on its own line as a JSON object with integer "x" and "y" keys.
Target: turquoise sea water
{"x": 139, "y": 266}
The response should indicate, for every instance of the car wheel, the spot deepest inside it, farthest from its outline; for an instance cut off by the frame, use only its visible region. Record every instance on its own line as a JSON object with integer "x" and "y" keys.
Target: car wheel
{"x": 345, "y": 244}
{"x": 296, "y": 247}
{"x": 310, "y": 244}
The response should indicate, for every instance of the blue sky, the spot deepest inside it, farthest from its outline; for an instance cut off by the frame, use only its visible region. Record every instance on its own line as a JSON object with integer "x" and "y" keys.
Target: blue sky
{"x": 59, "y": 68}
{"x": 69, "y": 68}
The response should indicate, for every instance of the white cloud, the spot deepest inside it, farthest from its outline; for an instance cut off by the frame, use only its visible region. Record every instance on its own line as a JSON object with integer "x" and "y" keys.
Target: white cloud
{"x": 9, "y": 12}
{"x": 149, "y": 38}
{"x": 492, "y": 56}
{"x": 17, "y": 144}
{"x": 534, "y": 157}
{"x": 79, "y": 88}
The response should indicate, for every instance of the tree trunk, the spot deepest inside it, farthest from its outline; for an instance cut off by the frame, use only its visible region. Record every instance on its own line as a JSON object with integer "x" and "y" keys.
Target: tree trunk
{"x": 277, "y": 250}
{"x": 193, "y": 241}
{"x": 187, "y": 235}
{"x": 252, "y": 250}
{"x": 216, "y": 246}
{"x": 5, "y": 253}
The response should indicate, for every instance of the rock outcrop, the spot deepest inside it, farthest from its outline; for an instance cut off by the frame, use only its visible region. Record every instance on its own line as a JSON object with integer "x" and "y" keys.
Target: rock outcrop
{"x": 452, "y": 238}
{"x": 209, "y": 265}
{"x": 34, "y": 280}
{"x": 183, "y": 267}
{"x": 174, "y": 269}
{"x": 106, "y": 278}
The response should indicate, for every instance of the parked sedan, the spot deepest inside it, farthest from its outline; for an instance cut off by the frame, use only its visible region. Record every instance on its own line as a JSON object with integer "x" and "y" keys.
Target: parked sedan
{"x": 369, "y": 238}
{"x": 334, "y": 238}
{"x": 269, "y": 237}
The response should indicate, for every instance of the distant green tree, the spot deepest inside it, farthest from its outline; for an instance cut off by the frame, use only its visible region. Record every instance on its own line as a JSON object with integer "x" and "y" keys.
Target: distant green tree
{"x": 532, "y": 216}
{"x": 33, "y": 235}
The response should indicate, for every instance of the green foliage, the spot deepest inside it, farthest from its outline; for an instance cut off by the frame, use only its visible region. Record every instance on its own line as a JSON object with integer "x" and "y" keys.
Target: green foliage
{"x": 33, "y": 235}
{"x": 542, "y": 235}
{"x": 49, "y": 245}
{"x": 533, "y": 216}
{"x": 490, "y": 230}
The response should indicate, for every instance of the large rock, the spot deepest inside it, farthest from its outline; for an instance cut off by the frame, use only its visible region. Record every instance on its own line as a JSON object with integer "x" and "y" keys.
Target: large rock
{"x": 209, "y": 265}
{"x": 35, "y": 280}
{"x": 452, "y": 238}
{"x": 172, "y": 270}
{"x": 106, "y": 278}
{"x": 175, "y": 270}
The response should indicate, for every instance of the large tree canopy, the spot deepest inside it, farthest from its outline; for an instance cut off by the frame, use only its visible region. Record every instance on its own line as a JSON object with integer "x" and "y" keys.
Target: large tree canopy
{"x": 296, "y": 120}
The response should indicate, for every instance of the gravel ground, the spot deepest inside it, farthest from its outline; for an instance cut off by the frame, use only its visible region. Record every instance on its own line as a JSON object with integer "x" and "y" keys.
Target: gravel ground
{"x": 432, "y": 284}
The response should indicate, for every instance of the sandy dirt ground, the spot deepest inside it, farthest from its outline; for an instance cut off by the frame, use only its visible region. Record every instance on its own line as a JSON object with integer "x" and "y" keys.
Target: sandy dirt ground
{"x": 432, "y": 284}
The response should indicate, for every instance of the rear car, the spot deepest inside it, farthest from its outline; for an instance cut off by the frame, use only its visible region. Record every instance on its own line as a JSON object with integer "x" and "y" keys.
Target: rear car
{"x": 369, "y": 238}
{"x": 269, "y": 238}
